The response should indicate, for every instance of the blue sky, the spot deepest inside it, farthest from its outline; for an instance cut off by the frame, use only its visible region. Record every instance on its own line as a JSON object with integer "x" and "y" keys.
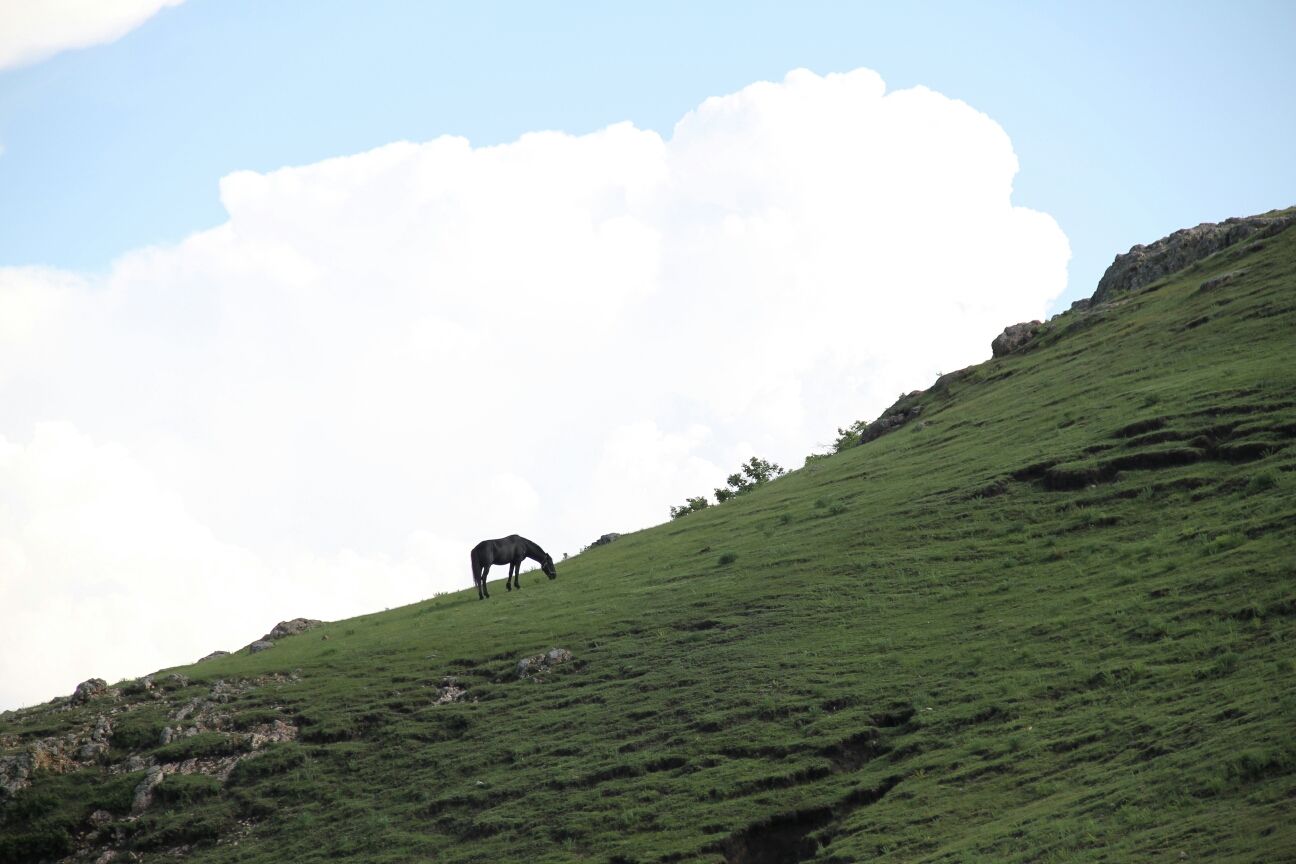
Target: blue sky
{"x": 275, "y": 343}
{"x": 1129, "y": 120}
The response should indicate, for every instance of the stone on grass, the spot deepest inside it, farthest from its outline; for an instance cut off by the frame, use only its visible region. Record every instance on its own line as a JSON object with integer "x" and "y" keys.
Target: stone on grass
{"x": 1013, "y": 337}
{"x": 540, "y": 663}
{"x": 89, "y": 689}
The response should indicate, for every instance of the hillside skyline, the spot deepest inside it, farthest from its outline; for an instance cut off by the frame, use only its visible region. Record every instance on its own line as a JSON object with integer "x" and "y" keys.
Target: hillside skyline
{"x": 245, "y": 358}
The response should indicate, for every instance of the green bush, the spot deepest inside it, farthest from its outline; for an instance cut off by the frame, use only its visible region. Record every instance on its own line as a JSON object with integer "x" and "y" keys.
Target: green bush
{"x": 204, "y": 745}
{"x": 277, "y": 759}
{"x": 138, "y": 730}
{"x": 690, "y": 505}
{"x": 183, "y": 789}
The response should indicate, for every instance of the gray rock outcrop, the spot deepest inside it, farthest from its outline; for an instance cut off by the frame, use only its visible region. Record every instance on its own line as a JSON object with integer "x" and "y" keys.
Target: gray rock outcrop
{"x": 260, "y": 645}
{"x": 1142, "y": 265}
{"x": 528, "y": 667}
{"x": 1013, "y": 337}
{"x": 900, "y": 413}
{"x": 291, "y": 628}
{"x": 604, "y": 540}
{"x": 144, "y": 790}
{"x": 89, "y": 689}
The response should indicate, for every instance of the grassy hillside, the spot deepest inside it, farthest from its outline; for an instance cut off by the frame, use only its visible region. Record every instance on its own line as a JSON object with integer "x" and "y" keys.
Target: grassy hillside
{"x": 1052, "y": 620}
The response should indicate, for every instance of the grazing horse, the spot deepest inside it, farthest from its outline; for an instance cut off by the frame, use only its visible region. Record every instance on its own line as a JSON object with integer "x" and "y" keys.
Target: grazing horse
{"x": 510, "y": 550}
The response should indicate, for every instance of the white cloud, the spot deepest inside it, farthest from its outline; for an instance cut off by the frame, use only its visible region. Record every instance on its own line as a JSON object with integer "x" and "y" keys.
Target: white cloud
{"x": 381, "y": 358}
{"x": 33, "y": 30}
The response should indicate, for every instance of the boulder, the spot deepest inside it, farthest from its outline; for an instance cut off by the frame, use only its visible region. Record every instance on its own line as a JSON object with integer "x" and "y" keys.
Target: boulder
{"x": 1013, "y": 337}
{"x": 144, "y": 790}
{"x": 900, "y": 413}
{"x": 1221, "y": 280}
{"x": 15, "y": 772}
{"x": 540, "y": 663}
{"x": 291, "y": 628}
{"x": 604, "y": 540}
{"x": 97, "y": 744}
{"x": 1143, "y": 265}
{"x": 450, "y": 691}
{"x": 213, "y": 655}
{"x": 89, "y": 689}
{"x": 260, "y": 645}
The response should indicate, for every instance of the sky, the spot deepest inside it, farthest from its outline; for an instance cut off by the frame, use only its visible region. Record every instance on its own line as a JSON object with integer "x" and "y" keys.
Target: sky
{"x": 300, "y": 300}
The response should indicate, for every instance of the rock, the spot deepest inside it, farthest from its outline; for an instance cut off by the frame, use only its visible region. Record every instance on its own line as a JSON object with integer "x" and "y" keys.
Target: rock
{"x": 97, "y": 744}
{"x": 1142, "y": 265}
{"x": 1013, "y": 337}
{"x": 944, "y": 381}
{"x": 107, "y": 857}
{"x": 15, "y": 772}
{"x": 901, "y": 412}
{"x": 1081, "y": 305}
{"x": 539, "y": 663}
{"x": 144, "y": 790}
{"x": 604, "y": 540}
{"x": 176, "y": 681}
{"x": 291, "y": 628}
{"x": 138, "y": 762}
{"x": 213, "y": 655}
{"x": 168, "y": 734}
{"x": 450, "y": 691}
{"x": 260, "y": 645}
{"x": 557, "y": 655}
{"x": 1221, "y": 280}
{"x": 100, "y": 818}
{"x": 89, "y": 689}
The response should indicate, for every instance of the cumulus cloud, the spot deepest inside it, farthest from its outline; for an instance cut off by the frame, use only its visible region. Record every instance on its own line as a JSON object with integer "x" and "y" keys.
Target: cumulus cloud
{"x": 33, "y": 30}
{"x": 378, "y": 359}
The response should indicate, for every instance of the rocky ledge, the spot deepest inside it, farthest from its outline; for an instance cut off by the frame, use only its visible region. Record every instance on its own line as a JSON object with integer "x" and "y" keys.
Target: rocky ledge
{"x": 1143, "y": 265}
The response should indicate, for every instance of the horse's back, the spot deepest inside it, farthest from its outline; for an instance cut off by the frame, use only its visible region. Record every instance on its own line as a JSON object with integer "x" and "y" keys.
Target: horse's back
{"x": 499, "y": 550}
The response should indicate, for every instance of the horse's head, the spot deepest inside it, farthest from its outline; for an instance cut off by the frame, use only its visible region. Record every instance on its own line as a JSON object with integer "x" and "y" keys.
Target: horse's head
{"x": 548, "y": 567}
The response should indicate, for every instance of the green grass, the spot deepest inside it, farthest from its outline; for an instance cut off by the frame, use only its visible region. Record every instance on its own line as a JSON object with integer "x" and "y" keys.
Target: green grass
{"x": 1058, "y": 624}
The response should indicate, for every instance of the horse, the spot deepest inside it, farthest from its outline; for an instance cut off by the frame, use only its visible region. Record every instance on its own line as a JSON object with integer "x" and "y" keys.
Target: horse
{"x": 509, "y": 550}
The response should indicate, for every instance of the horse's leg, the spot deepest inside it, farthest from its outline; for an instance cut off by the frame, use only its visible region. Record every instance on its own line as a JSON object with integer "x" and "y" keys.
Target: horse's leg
{"x": 485, "y": 591}
{"x": 508, "y": 580}
{"x": 517, "y": 573}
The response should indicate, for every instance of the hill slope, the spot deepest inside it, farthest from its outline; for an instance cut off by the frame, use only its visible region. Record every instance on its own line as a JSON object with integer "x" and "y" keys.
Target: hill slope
{"x": 1053, "y": 619}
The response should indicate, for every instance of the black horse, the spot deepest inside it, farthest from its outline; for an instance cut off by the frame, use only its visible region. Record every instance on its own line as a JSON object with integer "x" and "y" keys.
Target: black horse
{"x": 510, "y": 550}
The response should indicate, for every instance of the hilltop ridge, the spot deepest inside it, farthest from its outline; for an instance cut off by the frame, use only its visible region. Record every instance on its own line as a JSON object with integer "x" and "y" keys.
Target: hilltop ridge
{"x": 1047, "y": 616}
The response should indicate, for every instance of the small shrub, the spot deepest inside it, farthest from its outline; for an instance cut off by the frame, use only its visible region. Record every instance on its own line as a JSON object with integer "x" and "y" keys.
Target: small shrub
{"x": 138, "y": 730}
{"x": 180, "y": 829}
{"x": 726, "y": 558}
{"x": 1258, "y": 763}
{"x": 752, "y": 473}
{"x": 691, "y": 505}
{"x": 185, "y": 789}
{"x": 850, "y": 436}
{"x": 203, "y": 745}
{"x": 1262, "y": 482}
{"x": 245, "y": 720}
{"x": 276, "y": 759}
